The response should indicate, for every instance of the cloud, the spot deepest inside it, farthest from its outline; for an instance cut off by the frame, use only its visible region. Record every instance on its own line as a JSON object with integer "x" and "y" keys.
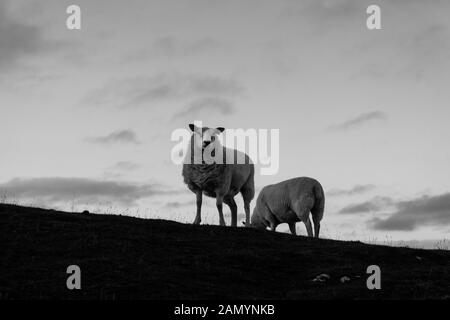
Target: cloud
{"x": 358, "y": 189}
{"x": 373, "y": 205}
{"x": 323, "y": 14}
{"x": 118, "y": 169}
{"x": 411, "y": 52}
{"x": 139, "y": 91}
{"x": 171, "y": 47}
{"x": 178, "y": 204}
{"x": 425, "y": 51}
{"x": 54, "y": 190}
{"x": 360, "y": 120}
{"x": 409, "y": 215}
{"x": 206, "y": 106}
{"x": 19, "y": 40}
{"x": 126, "y": 166}
{"x": 16, "y": 39}
{"x": 122, "y": 136}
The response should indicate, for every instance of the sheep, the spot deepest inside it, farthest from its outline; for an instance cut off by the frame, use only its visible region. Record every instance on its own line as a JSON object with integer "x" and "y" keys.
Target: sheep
{"x": 218, "y": 180}
{"x": 290, "y": 201}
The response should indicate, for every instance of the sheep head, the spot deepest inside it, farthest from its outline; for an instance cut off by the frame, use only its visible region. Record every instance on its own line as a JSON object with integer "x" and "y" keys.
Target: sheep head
{"x": 204, "y": 136}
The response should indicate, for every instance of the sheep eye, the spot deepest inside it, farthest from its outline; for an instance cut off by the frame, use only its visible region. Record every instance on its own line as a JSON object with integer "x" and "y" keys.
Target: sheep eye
{"x": 213, "y": 138}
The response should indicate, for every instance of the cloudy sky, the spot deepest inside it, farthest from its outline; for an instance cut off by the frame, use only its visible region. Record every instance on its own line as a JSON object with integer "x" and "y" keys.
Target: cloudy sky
{"x": 86, "y": 116}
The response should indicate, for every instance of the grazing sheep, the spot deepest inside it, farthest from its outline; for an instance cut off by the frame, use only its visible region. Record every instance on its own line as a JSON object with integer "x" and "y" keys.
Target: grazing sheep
{"x": 218, "y": 180}
{"x": 290, "y": 201}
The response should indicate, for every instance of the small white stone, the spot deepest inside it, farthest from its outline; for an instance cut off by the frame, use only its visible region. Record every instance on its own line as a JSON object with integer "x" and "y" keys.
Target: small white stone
{"x": 322, "y": 277}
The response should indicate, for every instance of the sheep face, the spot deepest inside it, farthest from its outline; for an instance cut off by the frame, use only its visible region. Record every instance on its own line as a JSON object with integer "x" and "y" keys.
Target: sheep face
{"x": 256, "y": 225}
{"x": 204, "y": 136}
{"x": 256, "y": 221}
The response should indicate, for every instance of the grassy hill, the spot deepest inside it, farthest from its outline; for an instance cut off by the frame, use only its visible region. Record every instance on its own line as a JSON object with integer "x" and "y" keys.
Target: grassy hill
{"x": 128, "y": 258}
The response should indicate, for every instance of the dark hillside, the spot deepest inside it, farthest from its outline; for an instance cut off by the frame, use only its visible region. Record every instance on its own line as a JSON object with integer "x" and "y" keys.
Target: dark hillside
{"x": 128, "y": 258}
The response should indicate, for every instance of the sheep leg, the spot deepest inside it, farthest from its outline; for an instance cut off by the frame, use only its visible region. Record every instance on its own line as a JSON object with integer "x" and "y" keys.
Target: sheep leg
{"x": 292, "y": 228}
{"x": 273, "y": 226}
{"x": 317, "y": 214}
{"x": 247, "y": 213}
{"x": 248, "y": 193}
{"x": 308, "y": 227}
{"x": 198, "y": 217}
{"x": 233, "y": 207}
{"x": 302, "y": 208}
{"x": 316, "y": 227}
{"x": 219, "y": 205}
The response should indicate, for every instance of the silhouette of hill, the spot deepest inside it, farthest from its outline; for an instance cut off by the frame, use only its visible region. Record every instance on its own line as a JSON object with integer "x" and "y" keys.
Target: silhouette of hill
{"x": 128, "y": 258}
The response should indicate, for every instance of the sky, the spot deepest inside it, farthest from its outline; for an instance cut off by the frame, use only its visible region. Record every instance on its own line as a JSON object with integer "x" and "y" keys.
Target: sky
{"x": 86, "y": 116}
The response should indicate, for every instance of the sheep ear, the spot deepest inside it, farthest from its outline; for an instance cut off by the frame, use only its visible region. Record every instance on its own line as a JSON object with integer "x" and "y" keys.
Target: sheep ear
{"x": 192, "y": 127}
{"x": 220, "y": 129}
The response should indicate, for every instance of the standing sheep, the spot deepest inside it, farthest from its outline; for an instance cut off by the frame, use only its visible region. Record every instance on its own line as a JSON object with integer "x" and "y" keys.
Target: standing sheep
{"x": 218, "y": 180}
{"x": 290, "y": 201}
